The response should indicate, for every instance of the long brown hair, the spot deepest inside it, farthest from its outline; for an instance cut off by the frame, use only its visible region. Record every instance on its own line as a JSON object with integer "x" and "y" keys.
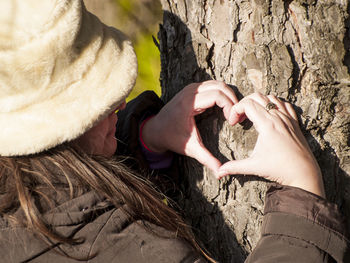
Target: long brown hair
{"x": 25, "y": 180}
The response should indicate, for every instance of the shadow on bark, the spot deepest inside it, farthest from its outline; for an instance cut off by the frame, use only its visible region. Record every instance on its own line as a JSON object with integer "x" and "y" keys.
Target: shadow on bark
{"x": 340, "y": 194}
{"x": 346, "y": 40}
{"x": 179, "y": 68}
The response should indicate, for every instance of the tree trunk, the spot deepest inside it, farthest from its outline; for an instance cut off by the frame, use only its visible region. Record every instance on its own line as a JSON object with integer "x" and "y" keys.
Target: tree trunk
{"x": 297, "y": 50}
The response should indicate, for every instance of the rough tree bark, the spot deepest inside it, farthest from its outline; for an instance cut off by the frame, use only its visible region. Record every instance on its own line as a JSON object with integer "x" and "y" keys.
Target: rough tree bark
{"x": 297, "y": 50}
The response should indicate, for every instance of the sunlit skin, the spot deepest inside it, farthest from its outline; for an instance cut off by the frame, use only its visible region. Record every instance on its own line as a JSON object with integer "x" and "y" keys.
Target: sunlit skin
{"x": 100, "y": 139}
{"x": 281, "y": 152}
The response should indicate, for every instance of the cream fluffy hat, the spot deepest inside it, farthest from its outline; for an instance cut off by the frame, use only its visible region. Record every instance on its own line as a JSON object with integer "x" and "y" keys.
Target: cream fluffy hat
{"x": 61, "y": 71}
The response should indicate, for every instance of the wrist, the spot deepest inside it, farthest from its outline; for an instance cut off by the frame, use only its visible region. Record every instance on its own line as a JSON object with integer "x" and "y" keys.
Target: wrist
{"x": 313, "y": 185}
{"x": 149, "y": 135}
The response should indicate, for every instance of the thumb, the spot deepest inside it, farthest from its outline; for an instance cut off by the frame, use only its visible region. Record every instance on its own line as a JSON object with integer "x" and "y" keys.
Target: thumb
{"x": 244, "y": 166}
{"x": 196, "y": 149}
{"x": 202, "y": 155}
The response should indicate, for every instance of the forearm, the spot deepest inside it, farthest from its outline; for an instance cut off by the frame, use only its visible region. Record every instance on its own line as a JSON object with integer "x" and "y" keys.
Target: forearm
{"x": 151, "y": 135}
{"x": 299, "y": 226}
{"x": 127, "y": 131}
{"x": 155, "y": 158}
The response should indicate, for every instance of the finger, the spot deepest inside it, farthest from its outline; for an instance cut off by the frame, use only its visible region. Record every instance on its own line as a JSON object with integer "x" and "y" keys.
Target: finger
{"x": 244, "y": 166}
{"x": 202, "y": 155}
{"x": 294, "y": 118}
{"x": 281, "y": 110}
{"x": 218, "y": 85}
{"x": 210, "y": 98}
{"x": 236, "y": 117}
{"x": 259, "y": 98}
{"x": 291, "y": 111}
{"x": 196, "y": 149}
{"x": 282, "y": 119}
{"x": 280, "y": 105}
{"x": 253, "y": 110}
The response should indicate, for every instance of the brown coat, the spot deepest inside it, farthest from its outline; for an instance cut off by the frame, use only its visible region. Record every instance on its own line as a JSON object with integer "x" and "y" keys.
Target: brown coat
{"x": 297, "y": 227}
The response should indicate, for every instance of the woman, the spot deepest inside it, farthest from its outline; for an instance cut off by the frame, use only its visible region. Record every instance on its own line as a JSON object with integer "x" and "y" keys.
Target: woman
{"x": 66, "y": 196}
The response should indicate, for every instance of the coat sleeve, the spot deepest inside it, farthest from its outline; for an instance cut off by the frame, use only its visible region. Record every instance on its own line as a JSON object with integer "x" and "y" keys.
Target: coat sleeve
{"x": 127, "y": 130}
{"x": 127, "y": 134}
{"x": 299, "y": 226}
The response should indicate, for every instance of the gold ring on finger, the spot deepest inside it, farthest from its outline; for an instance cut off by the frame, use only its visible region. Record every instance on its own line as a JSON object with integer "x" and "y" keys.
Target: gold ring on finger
{"x": 270, "y": 106}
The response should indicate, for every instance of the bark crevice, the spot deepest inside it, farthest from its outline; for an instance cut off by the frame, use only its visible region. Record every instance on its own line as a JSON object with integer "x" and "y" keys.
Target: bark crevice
{"x": 296, "y": 50}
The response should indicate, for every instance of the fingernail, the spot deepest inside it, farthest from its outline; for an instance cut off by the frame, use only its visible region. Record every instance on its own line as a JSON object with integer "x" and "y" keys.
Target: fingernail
{"x": 220, "y": 174}
{"x": 234, "y": 117}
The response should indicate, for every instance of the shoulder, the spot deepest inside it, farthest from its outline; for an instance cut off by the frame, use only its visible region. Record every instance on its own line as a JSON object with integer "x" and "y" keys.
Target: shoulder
{"x": 108, "y": 234}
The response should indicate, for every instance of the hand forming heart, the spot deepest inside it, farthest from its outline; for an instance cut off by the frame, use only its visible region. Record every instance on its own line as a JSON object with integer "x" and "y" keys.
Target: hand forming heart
{"x": 175, "y": 125}
{"x": 281, "y": 152}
